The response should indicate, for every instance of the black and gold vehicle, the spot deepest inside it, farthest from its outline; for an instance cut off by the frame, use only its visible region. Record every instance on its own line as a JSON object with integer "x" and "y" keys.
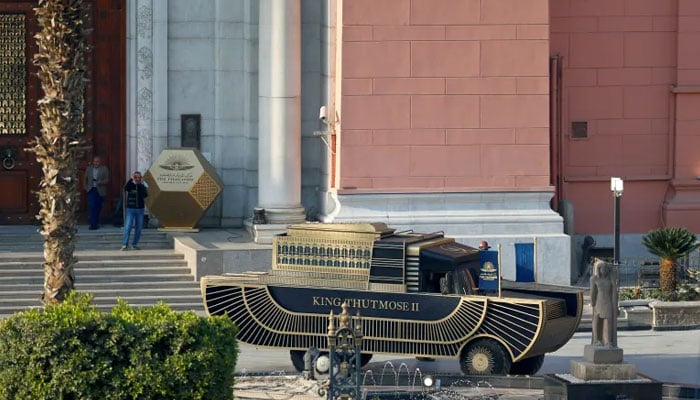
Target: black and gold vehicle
{"x": 418, "y": 295}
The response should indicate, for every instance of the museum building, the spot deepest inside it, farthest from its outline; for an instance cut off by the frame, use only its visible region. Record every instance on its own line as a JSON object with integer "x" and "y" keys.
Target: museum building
{"x": 497, "y": 120}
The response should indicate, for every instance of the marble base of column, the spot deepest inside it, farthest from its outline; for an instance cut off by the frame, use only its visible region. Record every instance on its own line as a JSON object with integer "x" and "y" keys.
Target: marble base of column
{"x": 292, "y": 215}
{"x": 277, "y": 220}
{"x": 263, "y": 233}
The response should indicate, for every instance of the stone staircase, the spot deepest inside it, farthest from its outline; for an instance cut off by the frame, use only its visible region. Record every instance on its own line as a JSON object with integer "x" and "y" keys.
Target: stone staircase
{"x": 142, "y": 278}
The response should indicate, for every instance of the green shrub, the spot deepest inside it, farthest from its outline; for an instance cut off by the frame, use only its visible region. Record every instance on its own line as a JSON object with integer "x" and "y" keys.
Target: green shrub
{"x": 684, "y": 293}
{"x": 73, "y": 351}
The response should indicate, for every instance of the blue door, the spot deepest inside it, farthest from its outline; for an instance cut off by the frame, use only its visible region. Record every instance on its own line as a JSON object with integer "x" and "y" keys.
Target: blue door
{"x": 524, "y": 262}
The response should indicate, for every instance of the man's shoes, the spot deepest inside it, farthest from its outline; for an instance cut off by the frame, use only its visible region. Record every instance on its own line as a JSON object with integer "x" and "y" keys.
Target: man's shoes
{"x": 125, "y": 248}
{"x": 92, "y": 228}
{"x": 135, "y": 248}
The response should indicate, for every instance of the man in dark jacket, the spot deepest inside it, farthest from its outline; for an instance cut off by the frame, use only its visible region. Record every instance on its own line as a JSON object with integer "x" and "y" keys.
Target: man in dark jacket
{"x": 135, "y": 193}
{"x": 95, "y": 184}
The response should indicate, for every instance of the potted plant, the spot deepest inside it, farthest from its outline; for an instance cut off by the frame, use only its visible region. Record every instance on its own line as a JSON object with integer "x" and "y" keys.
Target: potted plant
{"x": 669, "y": 244}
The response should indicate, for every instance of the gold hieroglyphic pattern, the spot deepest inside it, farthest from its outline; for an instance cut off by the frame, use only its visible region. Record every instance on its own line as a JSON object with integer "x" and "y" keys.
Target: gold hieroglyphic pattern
{"x": 325, "y": 248}
{"x": 12, "y": 74}
{"x": 204, "y": 191}
{"x": 322, "y": 255}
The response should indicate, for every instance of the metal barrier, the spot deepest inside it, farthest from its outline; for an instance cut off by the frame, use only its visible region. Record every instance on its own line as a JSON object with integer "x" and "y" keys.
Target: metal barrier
{"x": 345, "y": 345}
{"x": 644, "y": 272}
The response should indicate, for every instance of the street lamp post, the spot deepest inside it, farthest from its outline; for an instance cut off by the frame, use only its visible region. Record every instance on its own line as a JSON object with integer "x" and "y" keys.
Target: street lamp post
{"x": 616, "y": 186}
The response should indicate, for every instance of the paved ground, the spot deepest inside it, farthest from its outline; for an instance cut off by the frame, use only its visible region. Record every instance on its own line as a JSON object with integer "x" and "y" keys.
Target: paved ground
{"x": 667, "y": 356}
{"x": 296, "y": 388}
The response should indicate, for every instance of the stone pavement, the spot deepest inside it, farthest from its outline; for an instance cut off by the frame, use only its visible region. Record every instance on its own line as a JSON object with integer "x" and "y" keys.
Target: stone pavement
{"x": 294, "y": 387}
{"x": 672, "y": 357}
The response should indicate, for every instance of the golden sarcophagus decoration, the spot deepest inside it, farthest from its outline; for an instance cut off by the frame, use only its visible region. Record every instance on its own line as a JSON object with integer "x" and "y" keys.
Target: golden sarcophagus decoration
{"x": 182, "y": 185}
{"x": 419, "y": 294}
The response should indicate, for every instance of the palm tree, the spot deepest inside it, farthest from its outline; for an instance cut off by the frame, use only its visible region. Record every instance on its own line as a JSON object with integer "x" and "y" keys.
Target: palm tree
{"x": 670, "y": 244}
{"x": 61, "y": 61}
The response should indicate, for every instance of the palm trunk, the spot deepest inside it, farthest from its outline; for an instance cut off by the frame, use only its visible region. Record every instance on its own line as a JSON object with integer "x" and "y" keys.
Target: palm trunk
{"x": 61, "y": 62}
{"x": 667, "y": 275}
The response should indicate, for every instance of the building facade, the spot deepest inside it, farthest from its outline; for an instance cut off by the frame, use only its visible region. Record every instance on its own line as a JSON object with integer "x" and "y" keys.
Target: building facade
{"x": 497, "y": 120}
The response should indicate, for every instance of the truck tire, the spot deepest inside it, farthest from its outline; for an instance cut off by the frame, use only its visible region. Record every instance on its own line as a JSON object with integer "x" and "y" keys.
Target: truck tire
{"x": 527, "y": 366}
{"x": 485, "y": 357}
{"x": 365, "y": 358}
{"x": 297, "y": 357}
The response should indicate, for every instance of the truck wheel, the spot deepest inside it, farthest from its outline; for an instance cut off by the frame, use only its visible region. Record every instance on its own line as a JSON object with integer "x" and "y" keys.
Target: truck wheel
{"x": 322, "y": 362}
{"x": 485, "y": 357}
{"x": 297, "y": 357}
{"x": 365, "y": 358}
{"x": 527, "y": 366}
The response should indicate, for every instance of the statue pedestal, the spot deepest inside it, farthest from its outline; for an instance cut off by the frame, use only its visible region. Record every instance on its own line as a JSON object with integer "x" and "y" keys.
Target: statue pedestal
{"x": 602, "y": 363}
{"x": 562, "y": 387}
{"x": 588, "y": 371}
{"x": 602, "y": 355}
{"x": 601, "y": 374}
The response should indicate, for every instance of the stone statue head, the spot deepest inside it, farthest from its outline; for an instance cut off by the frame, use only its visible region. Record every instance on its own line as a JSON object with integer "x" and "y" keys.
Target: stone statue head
{"x": 602, "y": 268}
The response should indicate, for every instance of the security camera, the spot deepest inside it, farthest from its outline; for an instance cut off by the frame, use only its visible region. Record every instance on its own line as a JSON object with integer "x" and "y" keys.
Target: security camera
{"x": 323, "y": 114}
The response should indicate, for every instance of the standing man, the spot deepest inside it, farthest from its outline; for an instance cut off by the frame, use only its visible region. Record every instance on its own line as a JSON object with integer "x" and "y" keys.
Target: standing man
{"x": 135, "y": 193}
{"x": 95, "y": 184}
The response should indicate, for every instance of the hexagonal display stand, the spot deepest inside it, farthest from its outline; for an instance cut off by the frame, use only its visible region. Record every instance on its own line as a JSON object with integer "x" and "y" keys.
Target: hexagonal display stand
{"x": 182, "y": 185}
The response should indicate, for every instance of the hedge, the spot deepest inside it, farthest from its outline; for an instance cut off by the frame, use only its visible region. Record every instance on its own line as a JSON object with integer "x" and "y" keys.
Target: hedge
{"x": 74, "y": 351}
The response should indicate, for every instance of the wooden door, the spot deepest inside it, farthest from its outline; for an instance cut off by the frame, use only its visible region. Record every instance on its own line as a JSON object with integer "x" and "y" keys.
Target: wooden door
{"x": 19, "y": 120}
{"x": 103, "y": 124}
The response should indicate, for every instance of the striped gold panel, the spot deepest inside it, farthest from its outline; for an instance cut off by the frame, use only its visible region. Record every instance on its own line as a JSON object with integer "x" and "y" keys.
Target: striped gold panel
{"x": 516, "y": 324}
{"x": 263, "y": 323}
{"x": 387, "y": 287}
{"x": 316, "y": 282}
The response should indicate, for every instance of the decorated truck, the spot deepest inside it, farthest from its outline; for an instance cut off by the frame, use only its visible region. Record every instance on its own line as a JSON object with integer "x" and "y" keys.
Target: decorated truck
{"x": 419, "y": 294}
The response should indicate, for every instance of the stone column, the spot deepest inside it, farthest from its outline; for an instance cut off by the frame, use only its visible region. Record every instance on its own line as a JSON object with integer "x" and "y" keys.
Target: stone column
{"x": 279, "y": 114}
{"x": 147, "y": 67}
{"x": 160, "y": 81}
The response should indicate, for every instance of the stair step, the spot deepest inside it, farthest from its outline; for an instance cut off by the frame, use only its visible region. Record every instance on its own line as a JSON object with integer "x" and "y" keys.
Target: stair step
{"x": 83, "y": 233}
{"x": 103, "y": 270}
{"x": 106, "y": 286}
{"x": 122, "y": 291}
{"x": 124, "y": 279}
{"x": 97, "y": 264}
{"x": 85, "y": 237}
{"x": 97, "y": 247}
{"x": 170, "y": 299}
{"x": 142, "y": 278}
{"x": 81, "y": 256}
{"x": 83, "y": 241}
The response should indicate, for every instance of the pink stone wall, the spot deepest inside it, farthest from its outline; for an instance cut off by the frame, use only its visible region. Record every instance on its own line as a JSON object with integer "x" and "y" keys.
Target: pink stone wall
{"x": 445, "y": 94}
{"x": 620, "y": 60}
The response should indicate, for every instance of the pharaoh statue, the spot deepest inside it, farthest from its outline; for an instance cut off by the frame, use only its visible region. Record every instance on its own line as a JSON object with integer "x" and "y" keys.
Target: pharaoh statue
{"x": 604, "y": 304}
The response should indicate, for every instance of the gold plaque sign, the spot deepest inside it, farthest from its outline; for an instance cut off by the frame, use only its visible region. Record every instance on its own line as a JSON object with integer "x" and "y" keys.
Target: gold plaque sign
{"x": 182, "y": 185}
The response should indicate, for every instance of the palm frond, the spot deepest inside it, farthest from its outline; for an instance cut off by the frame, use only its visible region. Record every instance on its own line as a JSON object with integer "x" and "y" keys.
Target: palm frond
{"x": 671, "y": 243}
